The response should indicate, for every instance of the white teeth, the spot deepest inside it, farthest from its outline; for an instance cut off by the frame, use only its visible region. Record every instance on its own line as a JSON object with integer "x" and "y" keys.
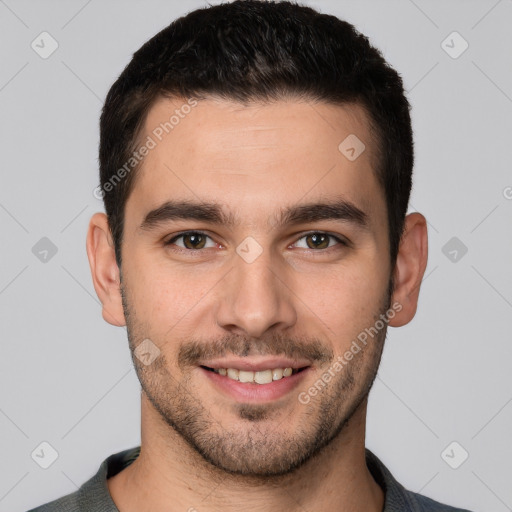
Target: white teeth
{"x": 244, "y": 376}
{"x": 277, "y": 373}
{"x": 263, "y": 377}
{"x": 260, "y": 377}
{"x": 232, "y": 373}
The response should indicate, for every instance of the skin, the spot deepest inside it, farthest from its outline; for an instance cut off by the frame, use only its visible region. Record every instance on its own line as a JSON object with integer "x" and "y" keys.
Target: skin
{"x": 199, "y": 447}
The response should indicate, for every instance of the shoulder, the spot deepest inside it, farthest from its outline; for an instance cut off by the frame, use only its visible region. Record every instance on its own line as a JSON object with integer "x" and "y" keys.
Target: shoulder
{"x": 397, "y": 497}
{"x": 93, "y": 494}
{"x": 424, "y": 504}
{"x": 68, "y": 503}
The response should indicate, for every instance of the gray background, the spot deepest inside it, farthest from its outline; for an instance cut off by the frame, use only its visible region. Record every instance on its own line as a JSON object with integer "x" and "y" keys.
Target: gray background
{"x": 66, "y": 377}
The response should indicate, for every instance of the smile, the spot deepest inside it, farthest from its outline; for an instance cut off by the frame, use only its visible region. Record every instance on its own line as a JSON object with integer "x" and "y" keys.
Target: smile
{"x": 258, "y": 377}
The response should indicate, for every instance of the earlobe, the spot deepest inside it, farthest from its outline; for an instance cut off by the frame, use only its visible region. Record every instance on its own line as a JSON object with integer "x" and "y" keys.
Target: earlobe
{"x": 104, "y": 269}
{"x": 410, "y": 267}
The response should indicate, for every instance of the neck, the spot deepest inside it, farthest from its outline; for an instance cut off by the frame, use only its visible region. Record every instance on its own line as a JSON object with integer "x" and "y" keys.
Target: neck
{"x": 170, "y": 475}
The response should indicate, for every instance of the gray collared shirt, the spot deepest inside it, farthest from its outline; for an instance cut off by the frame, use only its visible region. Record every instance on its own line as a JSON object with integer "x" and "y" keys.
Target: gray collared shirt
{"x": 94, "y": 495}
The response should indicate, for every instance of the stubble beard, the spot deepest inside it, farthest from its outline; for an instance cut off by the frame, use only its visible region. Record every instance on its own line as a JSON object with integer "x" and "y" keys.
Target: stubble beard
{"x": 254, "y": 445}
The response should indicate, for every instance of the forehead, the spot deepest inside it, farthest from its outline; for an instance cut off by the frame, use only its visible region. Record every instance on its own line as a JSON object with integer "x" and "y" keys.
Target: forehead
{"x": 257, "y": 155}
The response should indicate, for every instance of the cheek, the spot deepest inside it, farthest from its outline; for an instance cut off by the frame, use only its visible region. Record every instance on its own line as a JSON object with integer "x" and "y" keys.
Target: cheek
{"x": 164, "y": 297}
{"x": 342, "y": 302}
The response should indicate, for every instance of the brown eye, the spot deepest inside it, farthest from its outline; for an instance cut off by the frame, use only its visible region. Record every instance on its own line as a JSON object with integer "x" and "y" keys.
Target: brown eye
{"x": 318, "y": 241}
{"x": 191, "y": 240}
{"x": 194, "y": 241}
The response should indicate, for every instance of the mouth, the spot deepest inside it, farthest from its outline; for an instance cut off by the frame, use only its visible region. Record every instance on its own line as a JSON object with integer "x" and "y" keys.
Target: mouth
{"x": 260, "y": 377}
{"x": 261, "y": 386}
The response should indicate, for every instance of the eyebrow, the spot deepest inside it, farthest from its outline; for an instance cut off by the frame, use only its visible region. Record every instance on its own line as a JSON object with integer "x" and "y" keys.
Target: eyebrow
{"x": 213, "y": 213}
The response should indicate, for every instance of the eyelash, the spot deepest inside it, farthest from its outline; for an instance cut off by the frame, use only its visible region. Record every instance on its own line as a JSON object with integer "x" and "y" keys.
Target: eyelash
{"x": 182, "y": 249}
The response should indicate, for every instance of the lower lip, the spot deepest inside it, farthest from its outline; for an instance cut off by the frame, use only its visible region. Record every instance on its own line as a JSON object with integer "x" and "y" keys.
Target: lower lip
{"x": 251, "y": 392}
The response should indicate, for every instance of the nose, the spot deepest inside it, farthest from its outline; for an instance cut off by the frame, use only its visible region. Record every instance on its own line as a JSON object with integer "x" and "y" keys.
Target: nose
{"x": 255, "y": 298}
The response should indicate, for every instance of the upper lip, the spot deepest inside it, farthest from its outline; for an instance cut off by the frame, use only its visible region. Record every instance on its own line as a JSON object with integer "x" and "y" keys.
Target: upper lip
{"x": 256, "y": 364}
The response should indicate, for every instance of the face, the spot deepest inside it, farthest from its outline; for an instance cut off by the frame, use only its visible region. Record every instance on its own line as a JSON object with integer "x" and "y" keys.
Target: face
{"x": 252, "y": 241}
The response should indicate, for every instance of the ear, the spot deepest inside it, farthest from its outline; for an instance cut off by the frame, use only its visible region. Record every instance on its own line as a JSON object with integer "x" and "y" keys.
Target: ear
{"x": 104, "y": 269}
{"x": 409, "y": 269}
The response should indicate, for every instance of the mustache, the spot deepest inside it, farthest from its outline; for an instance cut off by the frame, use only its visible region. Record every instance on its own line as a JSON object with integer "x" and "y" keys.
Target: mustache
{"x": 300, "y": 347}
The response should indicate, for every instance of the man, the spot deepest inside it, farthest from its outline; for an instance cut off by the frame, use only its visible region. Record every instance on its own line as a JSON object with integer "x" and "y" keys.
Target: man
{"x": 255, "y": 164}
